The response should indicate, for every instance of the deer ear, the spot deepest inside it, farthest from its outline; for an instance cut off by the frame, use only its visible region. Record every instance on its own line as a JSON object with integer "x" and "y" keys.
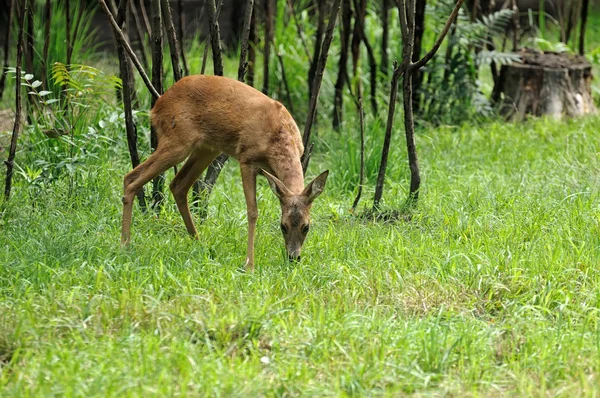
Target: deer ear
{"x": 278, "y": 187}
{"x": 316, "y": 186}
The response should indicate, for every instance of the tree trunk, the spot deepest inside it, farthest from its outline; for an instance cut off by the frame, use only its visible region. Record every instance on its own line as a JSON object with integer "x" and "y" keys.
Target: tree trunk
{"x": 10, "y": 162}
{"x": 11, "y": 8}
{"x": 243, "y": 65}
{"x": 140, "y": 33}
{"x": 252, "y": 43}
{"x": 409, "y": 129}
{"x": 145, "y": 17}
{"x": 419, "y": 30}
{"x": 127, "y": 91}
{"x": 157, "y": 58}
{"x": 214, "y": 169}
{"x": 385, "y": 22}
{"x": 359, "y": 19}
{"x": 318, "y": 44}
{"x": 48, "y": 16}
{"x": 29, "y": 52}
{"x": 172, "y": 38}
{"x": 316, "y": 86}
{"x": 68, "y": 27}
{"x": 186, "y": 68}
{"x": 554, "y": 84}
{"x": 386, "y": 140}
{"x": 584, "y": 17}
{"x": 338, "y": 100}
{"x": 269, "y": 17}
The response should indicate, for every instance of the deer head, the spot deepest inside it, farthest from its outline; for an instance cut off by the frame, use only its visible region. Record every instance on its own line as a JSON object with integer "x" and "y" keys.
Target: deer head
{"x": 295, "y": 211}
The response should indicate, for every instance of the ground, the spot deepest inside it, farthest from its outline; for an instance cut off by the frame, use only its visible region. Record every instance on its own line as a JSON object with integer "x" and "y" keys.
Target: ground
{"x": 491, "y": 288}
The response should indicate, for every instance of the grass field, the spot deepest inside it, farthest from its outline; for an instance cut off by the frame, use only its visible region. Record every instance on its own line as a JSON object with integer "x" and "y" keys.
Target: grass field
{"x": 492, "y": 288}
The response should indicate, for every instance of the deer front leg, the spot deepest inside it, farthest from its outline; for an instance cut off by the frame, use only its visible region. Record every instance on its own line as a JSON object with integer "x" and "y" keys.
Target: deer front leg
{"x": 249, "y": 182}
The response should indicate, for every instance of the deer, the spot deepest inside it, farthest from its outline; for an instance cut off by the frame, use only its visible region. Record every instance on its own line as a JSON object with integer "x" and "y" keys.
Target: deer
{"x": 200, "y": 117}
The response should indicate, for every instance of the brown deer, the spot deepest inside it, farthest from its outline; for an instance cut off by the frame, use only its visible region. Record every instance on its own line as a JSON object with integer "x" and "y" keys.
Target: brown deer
{"x": 202, "y": 116}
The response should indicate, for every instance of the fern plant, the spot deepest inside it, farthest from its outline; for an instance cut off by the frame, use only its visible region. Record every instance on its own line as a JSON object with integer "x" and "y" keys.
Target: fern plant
{"x": 62, "y": 125}
{"x": 452, "y": 89}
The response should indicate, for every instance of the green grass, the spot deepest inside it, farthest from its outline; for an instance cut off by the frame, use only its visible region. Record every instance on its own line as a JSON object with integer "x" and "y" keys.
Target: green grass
{"x": 491, "y": 289}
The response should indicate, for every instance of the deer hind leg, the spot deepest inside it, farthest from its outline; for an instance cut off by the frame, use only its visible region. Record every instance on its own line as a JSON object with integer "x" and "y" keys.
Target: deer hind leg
{"x": 185, "y": 178}
{"x": 158, "y": 162}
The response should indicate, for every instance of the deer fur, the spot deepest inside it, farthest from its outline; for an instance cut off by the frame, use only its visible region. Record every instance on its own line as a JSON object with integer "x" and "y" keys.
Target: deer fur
{"x": 200, "y": 117}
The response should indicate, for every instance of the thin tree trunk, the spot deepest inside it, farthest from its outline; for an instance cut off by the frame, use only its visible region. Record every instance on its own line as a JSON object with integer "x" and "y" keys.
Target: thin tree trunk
{"x": 408, "y": 68}
{"x": 387, "y": 139}
{"x": 206, "y": 46}
{"x": 172, "y": 38}
{"x": 584, "y": 18}
{"x": 245, "y": 37}
{"x": 409, "y": 129}
{"x": 186, "y": 67}
{"x": 140, "y": 33}
{"x": 29, "y": 48}
{"x": 370, "y": 53}
{"x": 157, "y": 58}
{"x": 215, "y": 39}
{"x": 132, "y": 93}
{"x": 517, "y": 26}
{"x": 10, "y": 162}
{"x": 11, "y": 7}
{"x": 316, "y": 85}
{"x": 68, "y": 33}
{"x": 48, "y": 16}
{"x": 214, "y": 169}
{"x": 338, "y": 99}
{"x": 359, "y": 17}
{"x": 361, "y": 179}
{"x": 385, "y": 21}
{"x": 127, "y": 91}
{"x": 120, "y": 37}
{"x": 571, "y": 22}
{"x": 269, "y": 17}
{"x": 419, "y": 30}
{"x": 252, "y": 43}
{"x": 145, "y": 17}
{"x": 318, "y": 45}
{"x": 29, "y": 52}
{"x": 202, "y": 189}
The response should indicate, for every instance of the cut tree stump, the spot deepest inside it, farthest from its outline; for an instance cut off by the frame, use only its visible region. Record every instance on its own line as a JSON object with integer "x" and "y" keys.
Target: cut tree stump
{"x": 545, "y": 83}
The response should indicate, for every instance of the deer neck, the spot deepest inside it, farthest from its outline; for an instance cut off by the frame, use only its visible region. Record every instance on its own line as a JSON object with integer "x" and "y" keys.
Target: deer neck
{"x": 291, "y": 175}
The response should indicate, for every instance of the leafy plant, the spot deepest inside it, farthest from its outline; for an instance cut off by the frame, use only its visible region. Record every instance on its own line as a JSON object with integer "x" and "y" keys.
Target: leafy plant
{"x": 452, "y": 89}
{"x": 62, "y": 135}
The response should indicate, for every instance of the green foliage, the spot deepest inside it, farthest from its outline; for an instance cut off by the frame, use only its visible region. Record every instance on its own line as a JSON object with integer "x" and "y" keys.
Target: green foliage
{"x": 85, "y": 43}
{"x": 64, "y": 131}
{"x": 452, "y": 91}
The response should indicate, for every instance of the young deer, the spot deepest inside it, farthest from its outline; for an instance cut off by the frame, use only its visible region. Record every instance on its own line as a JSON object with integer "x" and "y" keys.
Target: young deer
{"x": 200, "y": 117}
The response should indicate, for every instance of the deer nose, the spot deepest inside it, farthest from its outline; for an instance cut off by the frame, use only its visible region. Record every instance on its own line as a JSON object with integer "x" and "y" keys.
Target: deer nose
{"x": 294, "y": 258}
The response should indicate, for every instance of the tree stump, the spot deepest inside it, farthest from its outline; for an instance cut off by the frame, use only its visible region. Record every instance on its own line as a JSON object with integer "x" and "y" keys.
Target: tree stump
{"x": 554, "y": 84}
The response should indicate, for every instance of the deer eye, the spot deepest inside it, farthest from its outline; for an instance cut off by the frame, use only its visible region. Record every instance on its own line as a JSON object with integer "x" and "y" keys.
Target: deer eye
{"x": 284, "y": 228}
{"x": 305, "y": 229}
